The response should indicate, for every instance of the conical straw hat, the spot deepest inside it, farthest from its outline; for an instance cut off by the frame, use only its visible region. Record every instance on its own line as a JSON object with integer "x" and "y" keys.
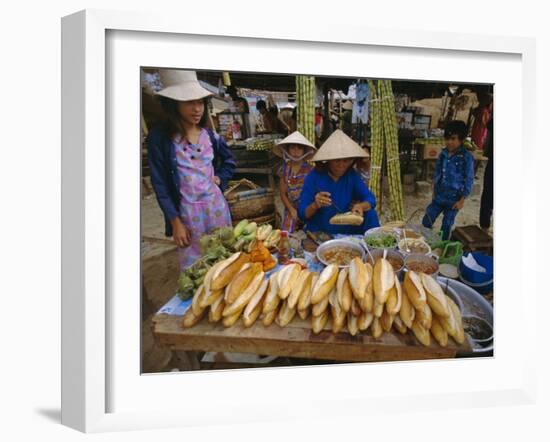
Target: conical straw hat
{"x": 294, "y": 138}
{"x": 339, "y": 146}
{"x": 181, "y": 85}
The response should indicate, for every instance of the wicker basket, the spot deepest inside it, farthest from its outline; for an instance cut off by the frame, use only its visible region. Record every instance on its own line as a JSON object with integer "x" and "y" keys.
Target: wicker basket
{"x": 249, "y": 201}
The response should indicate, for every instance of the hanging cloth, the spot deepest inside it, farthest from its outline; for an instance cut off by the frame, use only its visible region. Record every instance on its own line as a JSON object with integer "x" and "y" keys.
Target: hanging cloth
{"x": 360, "y": 112}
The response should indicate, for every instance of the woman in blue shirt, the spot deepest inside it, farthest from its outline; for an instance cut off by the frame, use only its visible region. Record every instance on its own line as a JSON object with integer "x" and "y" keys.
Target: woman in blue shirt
{"x": 334, "y": 187}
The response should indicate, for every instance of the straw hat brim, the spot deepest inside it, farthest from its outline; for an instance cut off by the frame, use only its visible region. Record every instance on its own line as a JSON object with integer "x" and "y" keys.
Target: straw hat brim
{"x": 338, "y": 147}
{"x": 294, "y": 138}
{"x": 187, "y": 91}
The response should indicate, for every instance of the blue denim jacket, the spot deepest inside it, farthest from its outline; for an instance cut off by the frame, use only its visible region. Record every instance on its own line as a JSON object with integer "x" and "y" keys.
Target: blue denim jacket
{"x": 164, "y": 170}
{"x": 454, "y": 175}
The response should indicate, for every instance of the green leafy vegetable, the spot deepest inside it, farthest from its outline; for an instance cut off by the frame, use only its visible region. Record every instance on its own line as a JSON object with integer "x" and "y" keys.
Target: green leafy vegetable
{"x": 381, "y": 241}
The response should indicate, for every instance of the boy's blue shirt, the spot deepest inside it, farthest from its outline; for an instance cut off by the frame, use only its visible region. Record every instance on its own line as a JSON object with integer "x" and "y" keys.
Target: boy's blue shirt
{"x": 454, "y": 175}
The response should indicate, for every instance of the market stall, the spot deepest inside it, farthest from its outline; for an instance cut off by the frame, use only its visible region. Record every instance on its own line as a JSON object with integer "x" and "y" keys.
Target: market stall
{"x": 377, "y": 297}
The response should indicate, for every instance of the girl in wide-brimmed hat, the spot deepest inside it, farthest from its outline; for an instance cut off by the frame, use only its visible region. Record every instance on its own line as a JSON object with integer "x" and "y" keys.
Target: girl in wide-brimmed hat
{"x": 190, "y": 164}
{"x": 334, "y": 187}
{"x": 295, "y": 151}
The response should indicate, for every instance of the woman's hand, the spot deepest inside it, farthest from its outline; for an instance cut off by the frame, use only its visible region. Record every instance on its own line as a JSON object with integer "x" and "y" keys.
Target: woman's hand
{"x": 217, "y": 180}
{"x": 459, "y": 204}
{"x": 322, "y": 199}
{"x": 293, "y": 213}
{"x": 180, "y": 233}
{"x": 360, "y": 208}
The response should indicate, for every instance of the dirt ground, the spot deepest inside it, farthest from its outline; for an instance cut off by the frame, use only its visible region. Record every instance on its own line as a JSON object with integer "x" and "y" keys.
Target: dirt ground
{"x": 160, "y": 263}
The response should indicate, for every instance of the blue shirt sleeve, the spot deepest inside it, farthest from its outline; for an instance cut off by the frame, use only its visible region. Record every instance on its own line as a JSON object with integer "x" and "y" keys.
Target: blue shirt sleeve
{"x": 469, "y": 178}
{"x": 307, "y": 196}
{"x": 361, "y": 192}
{"x": 437, "y": 171}
{"x": 225, "y": 164}
{"x": 160, "y": 175}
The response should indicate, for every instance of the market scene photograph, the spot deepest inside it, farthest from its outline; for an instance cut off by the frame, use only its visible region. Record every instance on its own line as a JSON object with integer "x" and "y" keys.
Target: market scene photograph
{"x": 298, "y": 220}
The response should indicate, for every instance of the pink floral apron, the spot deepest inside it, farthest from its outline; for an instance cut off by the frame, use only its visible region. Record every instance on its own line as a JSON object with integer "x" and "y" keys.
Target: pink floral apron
{"x": 203, "y": 206}
{"x": 294, "y": 183}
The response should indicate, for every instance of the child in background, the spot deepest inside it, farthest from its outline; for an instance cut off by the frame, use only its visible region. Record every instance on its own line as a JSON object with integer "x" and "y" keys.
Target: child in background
{"x": 295, "y": 151}
{"x": 453, "y": 178}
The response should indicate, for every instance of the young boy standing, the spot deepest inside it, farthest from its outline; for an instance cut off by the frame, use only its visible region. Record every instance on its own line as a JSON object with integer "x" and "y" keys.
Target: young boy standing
{"x": 453, "y": 178}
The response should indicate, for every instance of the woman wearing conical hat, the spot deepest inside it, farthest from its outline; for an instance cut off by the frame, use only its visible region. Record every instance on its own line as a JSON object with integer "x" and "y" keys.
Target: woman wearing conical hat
{"x": 334, "y": 198}
{"x": 295, "y": 150}
{"x": 190, "y": 164}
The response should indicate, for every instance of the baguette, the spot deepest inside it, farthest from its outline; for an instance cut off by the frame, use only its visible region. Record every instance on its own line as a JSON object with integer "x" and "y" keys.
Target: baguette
{"x": 421, "y": 333}
{"x": 305, "y": 298}
{"x": 250, "y": 318}
{"x": 320, "y": 307}
{"x": 343, "y": 290}
{"x": 386, "y": 321}
{"x": 365, "y": 320}
{"x": 355, "y": 308}
{"x": 449, "y": 324}
{"x": 347, "y": 218}
{"x": 439, "y": 332}
{"x": 353, "y": 326}
{"x": 378, "y": 309}
{"x": 287, "y": 277}
{"x": 368, "y": 301}
{"x": 407, "y": 312}
{"x": 424, "y": 316}
{"x": 399, "y": 325}
{"x": 319, "y": 322}
{"x": 228, "y": 321}
{"x": 303, "y": 314}
{"x": 226, "y": 271}
{"x": 190, "y": 319}
{"x": 269, "y": 317}
{"x": 376, "y": 328}
{"x": 414, "y": 289}
{"x": 209, "y": 275}
{"x": 210, "y": 297}
{"x": 272, "y": 299}
{"x": 256, "y": 298}
{"x": 325, "y": 283}
{"x": 286, "y": 314}
{"x": 395, "y": 298}
{"x": 435, "y": 296}
{"x": 241, "y": 302}
{"x": 338, "y": 318}
{"x": 241, "y": 281}
{"x": 358, "y": 278}
{"x": 458, "y": 335}
{"x": 216, "y": 310}
{"x": 197, "y": 301}
{"x": 301, "y": 285}
{"x": 383, "y": 280}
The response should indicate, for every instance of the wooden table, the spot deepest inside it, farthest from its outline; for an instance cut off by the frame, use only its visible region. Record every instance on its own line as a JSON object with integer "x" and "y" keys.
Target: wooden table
{"x": 296, "y": 340}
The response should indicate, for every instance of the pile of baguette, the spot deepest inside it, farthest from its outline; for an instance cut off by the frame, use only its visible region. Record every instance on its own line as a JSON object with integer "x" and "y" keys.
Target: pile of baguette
{"x": 354, "y": 299}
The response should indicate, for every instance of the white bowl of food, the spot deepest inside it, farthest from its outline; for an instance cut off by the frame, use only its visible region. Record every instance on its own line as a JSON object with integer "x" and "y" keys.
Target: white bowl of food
{"x": 414, "y": 245}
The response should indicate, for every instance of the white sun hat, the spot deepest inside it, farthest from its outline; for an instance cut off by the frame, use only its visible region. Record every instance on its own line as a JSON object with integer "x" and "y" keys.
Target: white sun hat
{"x": 181, "y": 85}
{"x": 339, "y": 146}
{"x": 294, "y": 138}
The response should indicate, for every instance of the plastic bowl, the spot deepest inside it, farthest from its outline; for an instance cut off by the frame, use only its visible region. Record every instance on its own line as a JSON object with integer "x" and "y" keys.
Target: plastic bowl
{"x": 482, "y": 289}
{"x": 473, "y": 276}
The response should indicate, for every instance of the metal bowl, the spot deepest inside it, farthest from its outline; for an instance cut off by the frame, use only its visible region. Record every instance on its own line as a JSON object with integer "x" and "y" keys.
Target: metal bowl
{"x": 390, "y": 253}
{"x": 379, "y": 231}
{"x": 424, "y": 259}
{"x": 403, "y": 247}
{"x": 323, "y": 248}
{"x": 479, "y": 330}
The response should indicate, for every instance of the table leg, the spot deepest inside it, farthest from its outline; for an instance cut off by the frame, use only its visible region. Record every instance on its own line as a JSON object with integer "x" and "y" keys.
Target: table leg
{"x": 187, "y": 360}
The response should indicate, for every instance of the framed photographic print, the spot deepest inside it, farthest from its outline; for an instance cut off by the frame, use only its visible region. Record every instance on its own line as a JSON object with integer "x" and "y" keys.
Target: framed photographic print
{"x": 201, "y": 257}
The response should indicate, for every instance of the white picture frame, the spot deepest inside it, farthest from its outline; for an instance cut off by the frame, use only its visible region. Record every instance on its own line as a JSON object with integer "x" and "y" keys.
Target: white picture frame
{"x": 90, "y": 313}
